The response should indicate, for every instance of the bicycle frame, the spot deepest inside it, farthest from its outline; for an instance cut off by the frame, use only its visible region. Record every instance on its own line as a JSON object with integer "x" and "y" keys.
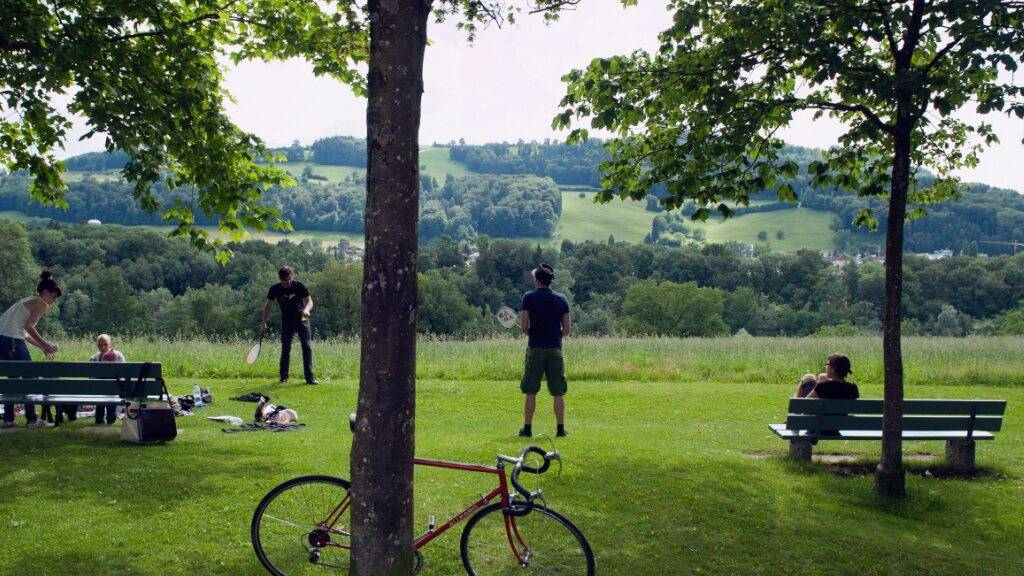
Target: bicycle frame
{"x": 511, "y": 530}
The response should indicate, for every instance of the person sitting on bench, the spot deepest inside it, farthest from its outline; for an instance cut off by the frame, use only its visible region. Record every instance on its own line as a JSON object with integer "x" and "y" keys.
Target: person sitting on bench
{"x": 106, "y": 414}
{"x": 806, "y": 384}
{"x": 835, "y": 386}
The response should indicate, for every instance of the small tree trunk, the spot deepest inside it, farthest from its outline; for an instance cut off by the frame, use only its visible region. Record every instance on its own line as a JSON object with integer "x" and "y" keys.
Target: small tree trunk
{"x": 383, "y": 448}
{"x": 890, "y": 476}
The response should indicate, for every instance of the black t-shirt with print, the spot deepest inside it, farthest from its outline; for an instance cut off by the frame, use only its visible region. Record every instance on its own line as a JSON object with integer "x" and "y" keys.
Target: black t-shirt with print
{"x": 289, "y": 299}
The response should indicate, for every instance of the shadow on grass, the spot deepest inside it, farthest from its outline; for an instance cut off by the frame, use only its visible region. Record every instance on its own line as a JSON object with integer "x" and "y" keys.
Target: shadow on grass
{"x": 89, "y": 466}
{"x": 727, "y": 516}
{"x": 917, "y": 464}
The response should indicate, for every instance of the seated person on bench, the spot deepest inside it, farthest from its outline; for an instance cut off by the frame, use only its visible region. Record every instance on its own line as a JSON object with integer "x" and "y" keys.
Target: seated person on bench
{"x": 807, "y": 383}
{"x": 106, "y": 414}
{"x": 835, "y": 386}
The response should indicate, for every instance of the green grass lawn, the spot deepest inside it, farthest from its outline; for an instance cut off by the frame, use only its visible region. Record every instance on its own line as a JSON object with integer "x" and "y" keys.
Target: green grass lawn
{"x": 670, "y": 468}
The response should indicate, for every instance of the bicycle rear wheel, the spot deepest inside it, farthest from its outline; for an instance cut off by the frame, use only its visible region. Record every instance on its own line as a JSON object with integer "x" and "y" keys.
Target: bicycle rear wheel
{"x": 301, "y": 527}
{"x": 540, "y": 542}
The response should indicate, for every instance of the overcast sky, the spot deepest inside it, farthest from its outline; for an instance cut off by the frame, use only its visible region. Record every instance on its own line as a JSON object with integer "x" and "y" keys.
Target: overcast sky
{"x": 507, "y": 86}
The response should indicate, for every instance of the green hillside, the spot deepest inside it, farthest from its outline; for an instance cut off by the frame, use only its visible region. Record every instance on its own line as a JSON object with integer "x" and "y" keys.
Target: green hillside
{"x": 434, "y": 160}
{"x": 581, "y": 218}
{"x": 332, "y": 173}
{"x": 325, "y": 238}
{"x": 801, "y": 228}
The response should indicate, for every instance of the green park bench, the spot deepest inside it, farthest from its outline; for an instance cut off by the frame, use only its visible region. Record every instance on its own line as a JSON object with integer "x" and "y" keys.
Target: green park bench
{"x": 96, "y": 383}
{"x": 959, "y": 422}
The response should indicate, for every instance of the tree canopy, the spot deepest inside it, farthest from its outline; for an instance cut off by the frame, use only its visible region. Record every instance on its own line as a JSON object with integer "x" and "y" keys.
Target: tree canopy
{"x": 149, "y": 77}
{"x": 702, "y": 113}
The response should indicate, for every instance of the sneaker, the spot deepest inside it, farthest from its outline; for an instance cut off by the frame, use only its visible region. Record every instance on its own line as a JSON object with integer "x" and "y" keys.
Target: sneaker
{"x": 314, "y": 381}
{"x": 7, "y": 424}
{"x": 282, "y": 380}
{"x": 525, "y": 433}
{"x": 38, "y": 423}
{"x": 561, "y": 433}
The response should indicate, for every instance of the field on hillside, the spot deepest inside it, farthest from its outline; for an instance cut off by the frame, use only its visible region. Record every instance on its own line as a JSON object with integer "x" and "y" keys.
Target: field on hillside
{"x": 105, "y": 176}
{"x": 801, "y": 227}
{"x": 325, "y": 238}
{"x": 20, "y": 217}
{"x": 434, "y": 160}
{"x": 582, "y": 219}
{"x": 669, "y": 469}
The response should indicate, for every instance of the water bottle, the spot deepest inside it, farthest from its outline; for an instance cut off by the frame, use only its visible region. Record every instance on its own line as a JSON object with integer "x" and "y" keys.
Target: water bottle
{"x": 197, "y": 395}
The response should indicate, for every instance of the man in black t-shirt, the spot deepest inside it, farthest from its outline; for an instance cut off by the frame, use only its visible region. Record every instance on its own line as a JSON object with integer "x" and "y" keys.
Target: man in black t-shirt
{"x": 835, "y": 386}
{"x": 546, "y": 319}
{"x": 296, "y": 304}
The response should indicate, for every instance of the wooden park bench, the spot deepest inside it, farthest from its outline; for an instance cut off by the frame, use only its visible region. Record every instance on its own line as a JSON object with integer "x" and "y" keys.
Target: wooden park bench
{"x": 73, "y": 383}
{"x": 959, "y": 422}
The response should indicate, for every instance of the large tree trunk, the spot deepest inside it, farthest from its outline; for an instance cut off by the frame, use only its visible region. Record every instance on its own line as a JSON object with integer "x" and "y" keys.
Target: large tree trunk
{"x": 383, "y": 448}
{"x": 890, "y": 476}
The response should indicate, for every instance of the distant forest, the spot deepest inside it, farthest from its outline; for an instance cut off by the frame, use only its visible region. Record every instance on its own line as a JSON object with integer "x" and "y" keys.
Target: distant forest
{"x": 505, "y": 206}
{"x": 129, "y": 280}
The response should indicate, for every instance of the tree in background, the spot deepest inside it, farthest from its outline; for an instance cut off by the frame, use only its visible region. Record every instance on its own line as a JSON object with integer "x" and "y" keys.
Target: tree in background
{"x": 654, "y": 308}
{"x": 148, "y": 76}
{"x": 700, "y": 115}
{"x": 19, "y": 268}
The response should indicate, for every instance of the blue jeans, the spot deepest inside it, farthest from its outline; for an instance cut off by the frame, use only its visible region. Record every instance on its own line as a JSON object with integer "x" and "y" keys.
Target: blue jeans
{"x": 16, "y": 349}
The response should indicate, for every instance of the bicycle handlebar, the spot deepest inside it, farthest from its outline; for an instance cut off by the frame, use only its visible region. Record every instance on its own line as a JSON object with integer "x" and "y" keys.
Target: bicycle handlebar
{"x": 519, "y": 465}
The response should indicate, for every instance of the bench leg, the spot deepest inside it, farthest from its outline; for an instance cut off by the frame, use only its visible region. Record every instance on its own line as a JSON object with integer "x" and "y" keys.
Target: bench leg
{"x": 800, "y": 449}
{"x": 960, "y": 455}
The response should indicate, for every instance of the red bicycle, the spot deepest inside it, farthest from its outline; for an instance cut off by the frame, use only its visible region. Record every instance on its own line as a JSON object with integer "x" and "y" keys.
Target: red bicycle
{"x": 302, "y": 526}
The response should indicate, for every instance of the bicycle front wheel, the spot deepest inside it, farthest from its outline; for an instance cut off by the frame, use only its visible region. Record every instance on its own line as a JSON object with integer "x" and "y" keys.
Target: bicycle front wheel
{"x": 301, "y": 527}
{"x": 540, "y": 542}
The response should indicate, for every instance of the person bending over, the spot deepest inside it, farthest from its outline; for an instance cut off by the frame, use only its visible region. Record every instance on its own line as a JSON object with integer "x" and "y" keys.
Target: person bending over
{"x": 18, "y": 328}
{"x": 296, "y": 304}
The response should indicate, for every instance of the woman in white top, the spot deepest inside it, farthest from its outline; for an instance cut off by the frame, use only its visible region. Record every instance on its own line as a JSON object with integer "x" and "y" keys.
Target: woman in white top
{"x": 18, "y": 328}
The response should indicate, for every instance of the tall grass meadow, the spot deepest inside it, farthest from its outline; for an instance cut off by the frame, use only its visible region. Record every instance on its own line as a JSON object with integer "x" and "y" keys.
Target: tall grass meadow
{"x": 986, "y": 361}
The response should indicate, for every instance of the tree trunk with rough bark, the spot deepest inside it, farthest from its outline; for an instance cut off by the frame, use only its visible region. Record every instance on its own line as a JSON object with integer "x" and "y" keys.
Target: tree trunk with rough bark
{"x": 384, "y": 443}
{"x": 890, "y": 476}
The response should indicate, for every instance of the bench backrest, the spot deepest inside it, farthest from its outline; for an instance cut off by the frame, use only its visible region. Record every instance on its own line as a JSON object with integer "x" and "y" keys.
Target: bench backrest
{"x": 918, "y": 415}
{"x": 85, "y": 378}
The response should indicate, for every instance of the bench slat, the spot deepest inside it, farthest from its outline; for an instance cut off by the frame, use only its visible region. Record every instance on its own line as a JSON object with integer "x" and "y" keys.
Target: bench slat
{"x": 63, "y": 399}
{"x": 910, "y": 423}
{"x": 16, "y": 369}
{"x": 910, "y": 407}
{"x": 95, "y": 387}
{"x": 781, "y": 431}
